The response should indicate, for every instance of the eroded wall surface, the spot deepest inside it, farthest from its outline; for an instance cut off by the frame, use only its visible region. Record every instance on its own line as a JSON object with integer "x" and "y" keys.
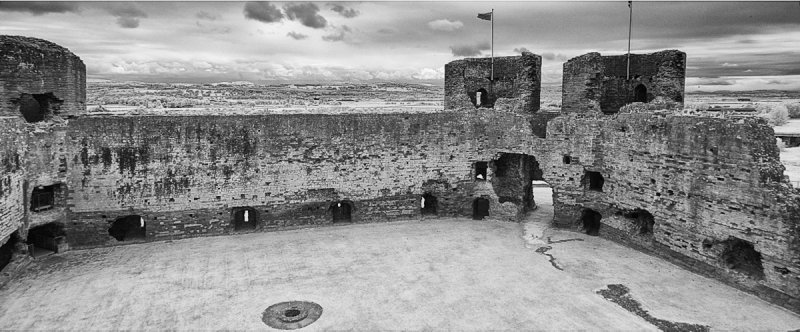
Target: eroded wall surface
{"x": 185, "y": 174}
{"x": 517, "y": 82}
{"x": 706, "y": 181}
{"x": 12, "y": 176}
{"x": 595, "y": 83}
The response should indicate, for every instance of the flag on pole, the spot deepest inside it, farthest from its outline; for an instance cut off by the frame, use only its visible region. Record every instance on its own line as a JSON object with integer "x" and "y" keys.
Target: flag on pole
{"x": 490, "y": 17}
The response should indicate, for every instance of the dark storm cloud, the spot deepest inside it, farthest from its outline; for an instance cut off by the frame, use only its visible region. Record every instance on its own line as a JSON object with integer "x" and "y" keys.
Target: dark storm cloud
{"x": 297, "y": 35}
{"x": 127, "y": 14}
{"x": 344, "y": 11}
{"x": 337, "y": 35}
{"x": 750, "y": 64}
{"x": 38, "y": 7}
{"x": 262, "y": 11}
{"x": 306, "y": 13}
{"x": 204, "y": 15}
{"x": 573, "y": 24}
{"x": 470, "y": 50}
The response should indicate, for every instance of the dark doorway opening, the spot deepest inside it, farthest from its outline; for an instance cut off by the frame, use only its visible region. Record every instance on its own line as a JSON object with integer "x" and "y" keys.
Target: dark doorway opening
{"x": 428, "y": 204}
{"x": 591, "y": 221}
{"x": 642, "y": 219}
{"x": 342, "y": 212}
{"x": 37, "y": 107}
{"x": 640, "y": 93}
{"x": 480, "y": 98}
{"x": 128, "y": 228}
{"x": 43, "y": 198}
{"x": 480, "y": 170}
{"x": 7, "y": 250}
{"x": 46, "y": 239}
{"x": 593, "y": 181}
{"x": 741, "y": 256}
{"x": 244, "y": 218}
{"x": 480, "y": 208}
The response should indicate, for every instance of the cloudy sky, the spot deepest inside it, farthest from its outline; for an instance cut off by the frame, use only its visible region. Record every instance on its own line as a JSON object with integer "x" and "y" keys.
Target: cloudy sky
{"x": 730, "y": 45}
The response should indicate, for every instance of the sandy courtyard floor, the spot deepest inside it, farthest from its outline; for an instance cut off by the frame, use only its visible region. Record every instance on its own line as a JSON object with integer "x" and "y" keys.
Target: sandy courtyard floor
{"x": 434, "y": 274}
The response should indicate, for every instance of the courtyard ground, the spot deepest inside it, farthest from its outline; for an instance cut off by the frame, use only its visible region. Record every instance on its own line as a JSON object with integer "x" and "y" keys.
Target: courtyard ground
{"x": 432, "y": 274}
{"x": 790, "y": 157}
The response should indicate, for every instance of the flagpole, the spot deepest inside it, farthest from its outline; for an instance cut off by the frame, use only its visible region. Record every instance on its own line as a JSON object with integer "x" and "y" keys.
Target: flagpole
{"x": 492, "y": 76}
{"x": 630, "y": 23}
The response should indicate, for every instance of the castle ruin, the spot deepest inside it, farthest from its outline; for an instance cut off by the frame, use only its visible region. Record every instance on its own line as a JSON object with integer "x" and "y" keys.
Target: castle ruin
{"x": 706, "y": 193}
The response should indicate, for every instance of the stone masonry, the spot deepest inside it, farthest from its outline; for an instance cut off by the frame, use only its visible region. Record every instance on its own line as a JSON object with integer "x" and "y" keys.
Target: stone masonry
{"x": 595, "y": 83}
{"x": 706, "y": 193}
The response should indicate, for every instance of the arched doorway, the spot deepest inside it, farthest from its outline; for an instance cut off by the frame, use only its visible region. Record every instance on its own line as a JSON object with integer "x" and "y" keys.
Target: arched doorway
{"x": 428, "y": 204}
{"x": 591, "y": 221}
{"x": 244, "y": 218}
{"x": 128, "y": 228}
{"x": 480, "y": 208}
{"x": 342, "y": 212}
{"x": 45, "y": 239}
{"x": 640, "y": 93}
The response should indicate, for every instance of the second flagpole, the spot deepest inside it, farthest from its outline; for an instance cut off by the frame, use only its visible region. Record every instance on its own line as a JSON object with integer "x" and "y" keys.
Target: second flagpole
{"x": 491, "y": 78}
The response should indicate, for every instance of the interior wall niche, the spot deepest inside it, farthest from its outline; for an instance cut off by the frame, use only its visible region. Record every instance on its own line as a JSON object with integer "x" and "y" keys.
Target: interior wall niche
{"x": 480, "y": 208}
{"x": 590, "y": 220}
{"x": 513, "y": 174}
{"x": 740, "y": 255}
{"x": 428, "y": 204}
{"x": 128, "y": 228}
{"x": 47, "y": 237}
{"x": 38, "y": 107}
{"x": 593, "y": 181}
{"x": 642, "y": 220}
{"x": 7, "y": 250}
{"x": 244, "y": 218}
{"x": 44, "y": 198}
{"x": 342, "y": 211}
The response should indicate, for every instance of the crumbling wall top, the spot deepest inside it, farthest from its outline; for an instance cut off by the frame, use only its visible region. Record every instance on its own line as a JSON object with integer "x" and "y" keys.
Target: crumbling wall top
{"x": 515, "y": 86}
{"x": 595, "y": 83}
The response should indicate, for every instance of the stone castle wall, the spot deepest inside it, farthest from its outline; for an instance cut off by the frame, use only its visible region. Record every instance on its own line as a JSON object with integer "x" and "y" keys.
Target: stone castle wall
{"x": 12, "y": 176}
{"x": 37, "y": 75}
{"x": 595, "y": 83}
{"x": 184, "y": 174}
{"x": 706, "y": 181}
{"x": 686, "y": 187}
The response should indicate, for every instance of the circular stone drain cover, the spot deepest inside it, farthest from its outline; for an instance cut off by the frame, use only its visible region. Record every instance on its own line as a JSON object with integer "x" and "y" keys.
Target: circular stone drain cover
{"x": 291, "y": 315}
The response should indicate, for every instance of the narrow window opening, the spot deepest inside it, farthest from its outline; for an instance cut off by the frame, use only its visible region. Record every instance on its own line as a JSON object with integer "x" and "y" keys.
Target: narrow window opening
{"x": 128, "y": 228}
{"x": 480, "y": 170}
{"x": 428, "y": 204}
{"x": 342, "y": 212}
{"x": 480, "y": 208}
{"x": 640, "y": 93}
{"x": 591, "y": 221}
{"x": 244, "y": 218}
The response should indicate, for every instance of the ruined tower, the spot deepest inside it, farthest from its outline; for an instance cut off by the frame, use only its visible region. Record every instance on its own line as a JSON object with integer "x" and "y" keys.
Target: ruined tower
{"x": 40, "y": 80}
{"x": 516, "y": 85}
{"x": 595, "y": 83}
